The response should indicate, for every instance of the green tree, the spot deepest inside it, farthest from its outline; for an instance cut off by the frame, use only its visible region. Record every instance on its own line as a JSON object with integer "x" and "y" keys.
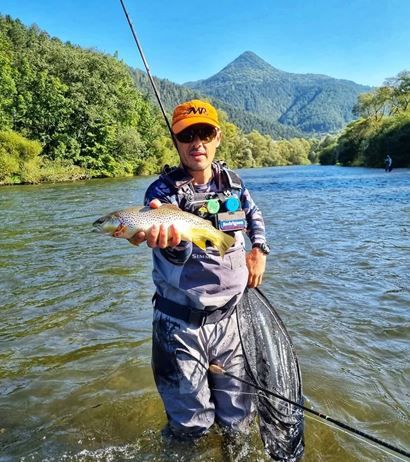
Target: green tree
{"x": 400, "y": 91}
{"x": 7, "y": 84}
{"x": 392, "y": 137}
{"x": 374, "y": 105}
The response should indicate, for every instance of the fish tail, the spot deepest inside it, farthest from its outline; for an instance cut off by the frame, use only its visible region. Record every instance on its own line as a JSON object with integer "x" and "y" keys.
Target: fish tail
{"x": 218, "y": 239}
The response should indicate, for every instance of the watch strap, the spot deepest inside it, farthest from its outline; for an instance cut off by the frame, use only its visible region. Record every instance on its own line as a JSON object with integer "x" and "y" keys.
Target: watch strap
{"x": 263, "y": 247}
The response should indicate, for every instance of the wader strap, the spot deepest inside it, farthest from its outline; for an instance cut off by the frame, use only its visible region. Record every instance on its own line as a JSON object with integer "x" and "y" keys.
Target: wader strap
{"x": 192, "y": 315}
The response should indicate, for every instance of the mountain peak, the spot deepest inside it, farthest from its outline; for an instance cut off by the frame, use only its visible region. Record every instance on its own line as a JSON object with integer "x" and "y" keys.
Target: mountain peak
{"x": 250, "y": 56}
{"x": 246, "y": 66}
{"x": 250, "y": 60}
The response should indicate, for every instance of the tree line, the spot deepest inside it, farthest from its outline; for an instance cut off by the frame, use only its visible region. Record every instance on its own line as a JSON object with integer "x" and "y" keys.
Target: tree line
{"x": 382, "y": 127}
{"x": 68, "y": 113}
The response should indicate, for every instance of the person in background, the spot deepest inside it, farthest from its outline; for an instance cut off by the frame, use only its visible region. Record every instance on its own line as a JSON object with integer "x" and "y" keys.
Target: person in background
{"x": 194, "y": 321}
{"x": 388, "y": 163}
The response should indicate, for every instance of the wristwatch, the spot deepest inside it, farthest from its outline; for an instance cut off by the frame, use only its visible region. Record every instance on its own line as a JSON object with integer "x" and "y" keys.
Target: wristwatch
{"x": 263, "y": 247}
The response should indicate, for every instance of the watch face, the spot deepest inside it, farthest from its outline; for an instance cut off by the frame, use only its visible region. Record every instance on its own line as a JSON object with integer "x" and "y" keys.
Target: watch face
{"x": 264, "y": 248}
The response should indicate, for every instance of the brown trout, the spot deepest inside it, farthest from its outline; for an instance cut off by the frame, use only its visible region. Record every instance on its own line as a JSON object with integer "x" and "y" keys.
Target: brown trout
{"x": 125, "y": 223}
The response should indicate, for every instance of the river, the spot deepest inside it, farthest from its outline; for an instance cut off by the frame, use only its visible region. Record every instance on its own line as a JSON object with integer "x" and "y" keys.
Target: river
{"x": 75, "y": 328}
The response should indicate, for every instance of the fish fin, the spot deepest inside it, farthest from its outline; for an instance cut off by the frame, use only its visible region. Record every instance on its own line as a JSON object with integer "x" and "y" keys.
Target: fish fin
{"x": 201, "y": 243}
{"x": 218, "y": 239}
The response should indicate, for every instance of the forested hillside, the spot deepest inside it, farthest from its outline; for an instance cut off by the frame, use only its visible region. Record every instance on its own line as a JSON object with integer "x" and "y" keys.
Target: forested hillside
{"x": 311, "y": 103}
{"x": 80, "y": 105}
{"x": 69, "y": 113}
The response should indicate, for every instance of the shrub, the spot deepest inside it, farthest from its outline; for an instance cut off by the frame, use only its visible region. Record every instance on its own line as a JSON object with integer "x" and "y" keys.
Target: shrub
{"x": 19, "y": 158}
{"x": 61, "y": 170}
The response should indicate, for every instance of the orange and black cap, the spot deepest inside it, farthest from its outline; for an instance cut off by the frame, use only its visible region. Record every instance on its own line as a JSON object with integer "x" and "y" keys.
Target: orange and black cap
{"x": 193, "y": 112}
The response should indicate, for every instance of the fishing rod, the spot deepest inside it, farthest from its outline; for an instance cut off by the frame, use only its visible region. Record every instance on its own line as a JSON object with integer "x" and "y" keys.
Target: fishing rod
{"x": 134, "y": 34}
{"x": 217, "y": 369}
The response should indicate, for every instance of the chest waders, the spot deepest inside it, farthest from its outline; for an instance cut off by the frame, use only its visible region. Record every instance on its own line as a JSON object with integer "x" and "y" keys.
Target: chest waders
{"x": 186, "y": 340}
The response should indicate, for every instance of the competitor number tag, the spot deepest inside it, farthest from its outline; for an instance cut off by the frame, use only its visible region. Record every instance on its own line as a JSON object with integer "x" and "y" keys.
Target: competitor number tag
{"x": 231, "y": 221}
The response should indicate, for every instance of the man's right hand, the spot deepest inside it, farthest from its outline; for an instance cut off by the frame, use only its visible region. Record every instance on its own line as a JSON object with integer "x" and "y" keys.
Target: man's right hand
{"x": 158, "y": 236}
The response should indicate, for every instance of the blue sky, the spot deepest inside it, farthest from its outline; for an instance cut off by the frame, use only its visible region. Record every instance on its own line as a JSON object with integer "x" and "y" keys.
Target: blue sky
{"x": 361, "y": 40}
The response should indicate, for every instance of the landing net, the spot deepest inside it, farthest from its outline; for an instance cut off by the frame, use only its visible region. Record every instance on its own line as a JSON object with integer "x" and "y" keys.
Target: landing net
{"x": 271, "y": 363}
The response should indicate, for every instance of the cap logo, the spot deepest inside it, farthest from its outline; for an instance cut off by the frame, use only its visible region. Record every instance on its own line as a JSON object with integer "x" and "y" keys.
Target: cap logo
{"x": 200, "y": 110}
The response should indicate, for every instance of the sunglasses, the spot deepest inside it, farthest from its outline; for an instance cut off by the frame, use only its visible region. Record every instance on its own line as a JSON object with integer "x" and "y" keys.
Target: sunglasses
{"x": 206, "y": 133}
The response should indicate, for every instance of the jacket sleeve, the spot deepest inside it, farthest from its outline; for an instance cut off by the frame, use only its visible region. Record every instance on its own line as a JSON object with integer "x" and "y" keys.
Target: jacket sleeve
{"x": 255, "y": 224}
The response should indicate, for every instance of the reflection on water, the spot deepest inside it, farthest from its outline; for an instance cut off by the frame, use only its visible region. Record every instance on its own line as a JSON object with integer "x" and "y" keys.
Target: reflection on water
{"x": 75, "y": 377}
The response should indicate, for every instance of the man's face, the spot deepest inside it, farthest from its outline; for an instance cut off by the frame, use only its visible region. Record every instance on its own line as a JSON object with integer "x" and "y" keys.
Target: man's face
{"x": 198, "y": 150}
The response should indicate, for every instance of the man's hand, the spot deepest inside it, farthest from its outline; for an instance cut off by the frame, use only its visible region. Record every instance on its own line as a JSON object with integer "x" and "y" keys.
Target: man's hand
{"x": 158, "y": 236}
{"x": 256, "y": 263}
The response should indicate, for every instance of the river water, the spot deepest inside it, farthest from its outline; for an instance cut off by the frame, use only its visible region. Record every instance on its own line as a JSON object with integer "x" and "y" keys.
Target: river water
{"x": 75, "y": 327}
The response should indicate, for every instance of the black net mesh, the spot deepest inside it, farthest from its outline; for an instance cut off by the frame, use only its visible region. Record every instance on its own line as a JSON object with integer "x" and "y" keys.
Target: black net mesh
{"x": 272, "y": 365}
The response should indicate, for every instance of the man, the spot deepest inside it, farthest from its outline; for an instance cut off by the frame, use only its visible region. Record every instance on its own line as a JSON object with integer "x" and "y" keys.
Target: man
{"x": 388, "y": 161}
{"x": 197, "y": 291}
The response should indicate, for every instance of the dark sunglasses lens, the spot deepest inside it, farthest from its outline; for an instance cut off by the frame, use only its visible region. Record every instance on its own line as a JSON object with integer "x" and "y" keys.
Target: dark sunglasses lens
{"x": 205, "y": 134}
{"x": 185, "y": 136}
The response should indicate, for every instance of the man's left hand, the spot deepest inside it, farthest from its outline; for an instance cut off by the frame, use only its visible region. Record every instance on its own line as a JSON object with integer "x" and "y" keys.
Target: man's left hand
{"x": 256, "y": 263}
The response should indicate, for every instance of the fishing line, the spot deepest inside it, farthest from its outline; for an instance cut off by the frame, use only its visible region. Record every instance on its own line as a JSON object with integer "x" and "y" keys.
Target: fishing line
{"x": 329, "y": 421}
{"x": 147, "y": 69}
{"x": 328, "y": 424}
{"x": 333, "y": 423}
{"x": 360, "y": 438}
{"x": 216, "y": 369}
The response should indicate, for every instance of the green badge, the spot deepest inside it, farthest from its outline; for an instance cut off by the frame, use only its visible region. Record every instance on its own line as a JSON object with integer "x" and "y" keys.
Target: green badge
{"x": 213, "y": 206}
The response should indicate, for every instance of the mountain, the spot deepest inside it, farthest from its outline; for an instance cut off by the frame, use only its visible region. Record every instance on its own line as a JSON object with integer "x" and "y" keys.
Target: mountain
{"x": 312, "y": 103}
